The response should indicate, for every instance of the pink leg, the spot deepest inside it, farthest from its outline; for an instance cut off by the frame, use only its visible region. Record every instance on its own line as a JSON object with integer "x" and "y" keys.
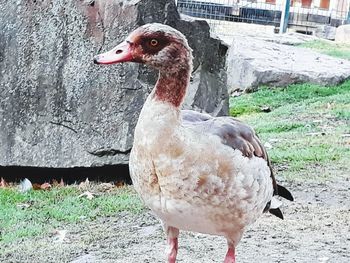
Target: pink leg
{"x": 172, "y": 234}
{"x": 230, "y": 256}
{"x": 173, "y": 246}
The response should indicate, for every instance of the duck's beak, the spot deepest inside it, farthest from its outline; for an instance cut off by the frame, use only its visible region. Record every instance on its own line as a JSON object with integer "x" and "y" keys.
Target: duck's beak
{"x": 119, "y": 54}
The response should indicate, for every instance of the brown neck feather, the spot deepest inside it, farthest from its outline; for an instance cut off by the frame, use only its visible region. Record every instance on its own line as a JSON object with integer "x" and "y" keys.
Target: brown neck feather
{"x": 172, "y": 87}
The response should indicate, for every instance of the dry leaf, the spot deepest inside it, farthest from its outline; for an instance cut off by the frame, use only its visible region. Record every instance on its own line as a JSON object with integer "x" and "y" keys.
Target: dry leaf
{"x": 88, "y": 195}
{"x": 3, "y": 183}
{"x": 44, "y": 186}
{"x": 55, "y": 183}
{"x": 85, "y": 185}
{"x": 105, "y": 187}
{"x": 36, "y": 186}
{"x": 120, "y": 184}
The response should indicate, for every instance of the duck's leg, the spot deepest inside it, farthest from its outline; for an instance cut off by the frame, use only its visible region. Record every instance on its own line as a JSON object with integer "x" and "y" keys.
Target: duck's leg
{"x": 230, "y": 255}
{"x": 231, "y": 244}
{"x": 172, "y": 235}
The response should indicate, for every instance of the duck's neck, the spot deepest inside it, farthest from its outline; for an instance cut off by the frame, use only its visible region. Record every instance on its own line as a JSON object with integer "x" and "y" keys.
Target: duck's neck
{"x": 171, "y": 87}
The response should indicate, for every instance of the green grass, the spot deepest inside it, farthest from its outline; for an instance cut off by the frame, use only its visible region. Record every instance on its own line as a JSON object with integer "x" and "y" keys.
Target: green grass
{"x": 329, "y": 48}
{"x": 306, "y": 128}
{"x": 52, "y": 209}
{"x": 275, "y": 98}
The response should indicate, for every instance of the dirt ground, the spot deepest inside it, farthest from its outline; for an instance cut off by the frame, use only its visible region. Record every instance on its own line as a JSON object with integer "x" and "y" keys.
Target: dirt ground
{"x": 316, "y": 229}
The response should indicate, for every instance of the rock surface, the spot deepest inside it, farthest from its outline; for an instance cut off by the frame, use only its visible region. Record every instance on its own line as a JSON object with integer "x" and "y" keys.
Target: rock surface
{"x": 342, "y": 34}
{"x": 58, "y": 109}
{"x": 326, "y": 32}
{"x": 265, "y": 63}
{"x": 289, "y": 38}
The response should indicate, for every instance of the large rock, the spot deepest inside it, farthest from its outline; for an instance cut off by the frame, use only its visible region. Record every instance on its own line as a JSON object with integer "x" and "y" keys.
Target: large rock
{"x": 262, "y": 32}
{"x": 342, "y": 34}
{"x": 326, "y": 32}
{"x": 253, "y": 62}
{"x": 57, "y": 108}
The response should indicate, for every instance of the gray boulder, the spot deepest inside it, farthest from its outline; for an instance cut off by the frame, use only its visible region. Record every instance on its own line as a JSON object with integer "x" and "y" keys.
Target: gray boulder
{"x": 342, "y": 34}
{"x": 58, "y": 109}
{"x": 325, "y": 32}
{"x": 253, "y": 62}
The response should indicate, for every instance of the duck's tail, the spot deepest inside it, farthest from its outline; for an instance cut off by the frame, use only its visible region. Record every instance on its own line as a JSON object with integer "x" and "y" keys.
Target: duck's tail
{"x": 274, "y": 204}
{"x": 282, "y": 191}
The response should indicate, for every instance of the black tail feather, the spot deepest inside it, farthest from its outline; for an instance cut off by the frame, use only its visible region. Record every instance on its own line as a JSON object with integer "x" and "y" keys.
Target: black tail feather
{"x": 282, "y": 191}
{"x": 276, "y": 212}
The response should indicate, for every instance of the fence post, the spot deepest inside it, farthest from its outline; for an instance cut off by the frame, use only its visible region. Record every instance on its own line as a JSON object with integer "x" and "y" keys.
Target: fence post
{"x": 284, "y": 17}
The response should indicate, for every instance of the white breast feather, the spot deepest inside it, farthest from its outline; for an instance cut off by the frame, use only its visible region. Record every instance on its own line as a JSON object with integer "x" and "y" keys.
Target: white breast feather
{"x": 192, "y": 181}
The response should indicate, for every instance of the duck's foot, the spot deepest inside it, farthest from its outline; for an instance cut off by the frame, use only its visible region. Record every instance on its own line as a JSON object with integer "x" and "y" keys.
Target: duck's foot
{"x": 230, "y": 256}
{"x": 173, "y": 246}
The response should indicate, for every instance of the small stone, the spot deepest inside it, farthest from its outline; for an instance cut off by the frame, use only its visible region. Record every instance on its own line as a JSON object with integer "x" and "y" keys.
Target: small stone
{"x": 265, "y": 109}
{"x": 25, "y": 186}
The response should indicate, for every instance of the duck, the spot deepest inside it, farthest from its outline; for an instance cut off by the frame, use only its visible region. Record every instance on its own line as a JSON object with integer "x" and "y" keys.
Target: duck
{"x": 195, "y": 172}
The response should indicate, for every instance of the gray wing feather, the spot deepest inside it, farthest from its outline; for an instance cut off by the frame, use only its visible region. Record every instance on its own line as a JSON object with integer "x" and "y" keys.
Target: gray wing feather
{"x": 232, "y": 132}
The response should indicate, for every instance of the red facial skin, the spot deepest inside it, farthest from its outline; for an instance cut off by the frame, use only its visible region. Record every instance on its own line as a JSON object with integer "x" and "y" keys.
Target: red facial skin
{"x": 119, "y": 54}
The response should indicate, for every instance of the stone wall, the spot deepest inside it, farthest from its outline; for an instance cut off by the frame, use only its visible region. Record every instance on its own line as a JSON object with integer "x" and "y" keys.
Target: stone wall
{"x": 57, "y": 109}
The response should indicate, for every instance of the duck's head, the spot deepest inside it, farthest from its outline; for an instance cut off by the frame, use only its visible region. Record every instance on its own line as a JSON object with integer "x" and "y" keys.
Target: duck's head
{"x": 157, "y": 45}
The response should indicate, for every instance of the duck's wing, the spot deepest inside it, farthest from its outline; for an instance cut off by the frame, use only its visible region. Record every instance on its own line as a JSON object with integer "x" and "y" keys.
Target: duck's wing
{"x": 237, "y": 135}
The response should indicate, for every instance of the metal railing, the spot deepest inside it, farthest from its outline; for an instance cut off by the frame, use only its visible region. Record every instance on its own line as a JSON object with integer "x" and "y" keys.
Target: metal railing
{"x": 304, "y": 14}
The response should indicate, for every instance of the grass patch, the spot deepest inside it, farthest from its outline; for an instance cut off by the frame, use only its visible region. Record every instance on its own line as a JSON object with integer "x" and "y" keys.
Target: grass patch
{"x": 278, "y": 97}
{"x": 279, "y": 127}
{"x": 36, "y": 213}
{"x": 329, "y": 48}
{"x": 306, "y": 127}
{"x": 343, "y": 113}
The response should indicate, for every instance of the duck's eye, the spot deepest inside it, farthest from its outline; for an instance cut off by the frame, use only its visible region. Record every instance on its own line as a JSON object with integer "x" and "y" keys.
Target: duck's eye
{"x": 154, "y": 42}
